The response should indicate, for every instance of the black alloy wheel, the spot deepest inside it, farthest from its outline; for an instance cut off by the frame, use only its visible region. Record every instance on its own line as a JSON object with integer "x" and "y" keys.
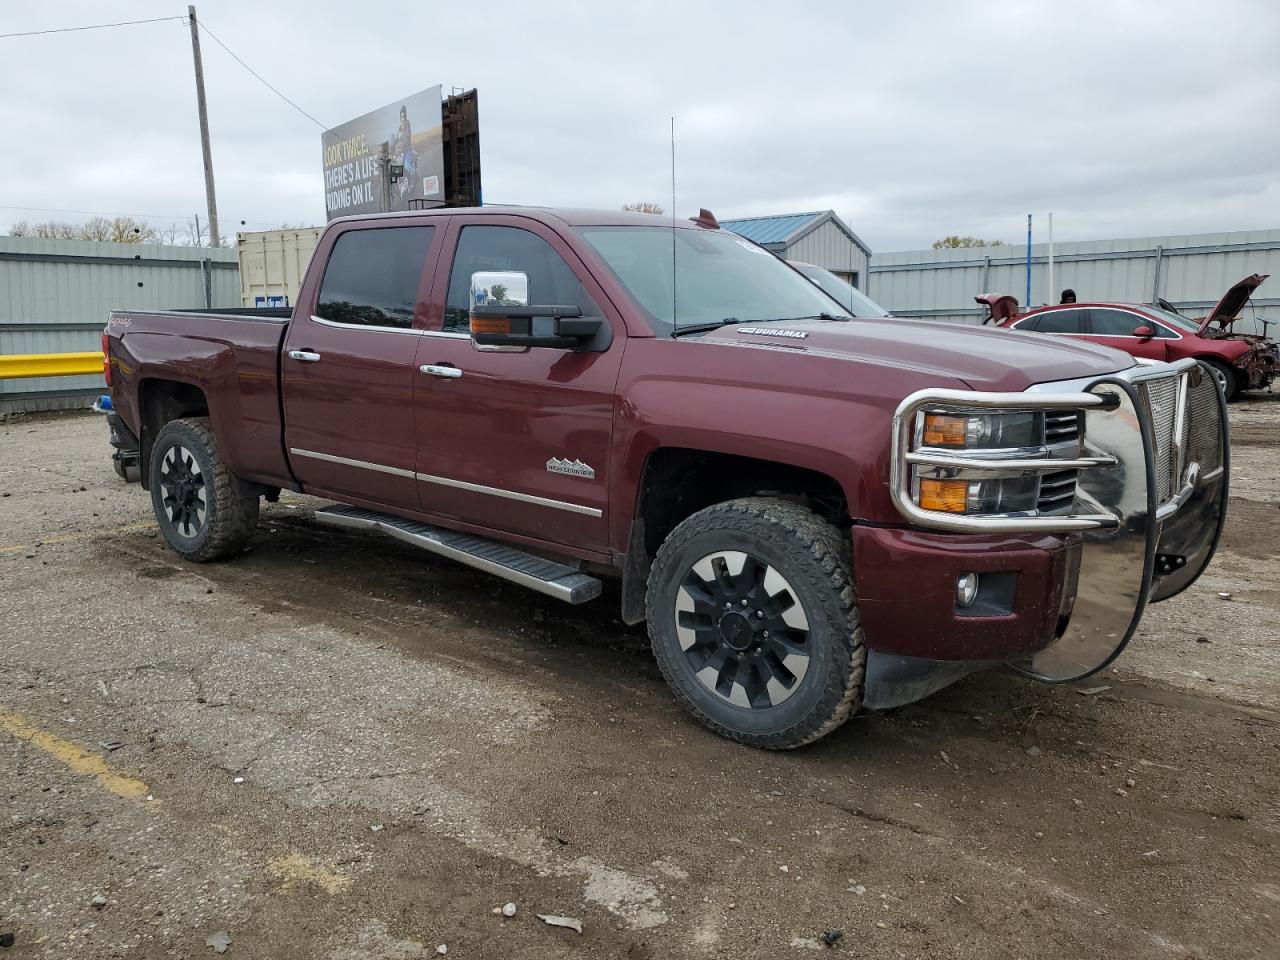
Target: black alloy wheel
{"x": 743, "y": 630}
{"x": 205, "y": 512}
{"x": 182, "y": 490}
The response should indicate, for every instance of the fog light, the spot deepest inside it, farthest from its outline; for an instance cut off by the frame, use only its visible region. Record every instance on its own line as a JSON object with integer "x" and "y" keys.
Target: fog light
{"x": 966, "y": 589}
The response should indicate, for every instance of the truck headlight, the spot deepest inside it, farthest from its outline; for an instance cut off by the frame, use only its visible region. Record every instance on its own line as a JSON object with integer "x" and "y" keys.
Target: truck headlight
{"x": 981, "y": 430}
{"x": 995, "y": 495}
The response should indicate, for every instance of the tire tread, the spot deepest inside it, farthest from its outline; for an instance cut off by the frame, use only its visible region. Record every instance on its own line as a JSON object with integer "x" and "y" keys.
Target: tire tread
{"x": 832, "y": 573}
{"x": 234, "y": 516}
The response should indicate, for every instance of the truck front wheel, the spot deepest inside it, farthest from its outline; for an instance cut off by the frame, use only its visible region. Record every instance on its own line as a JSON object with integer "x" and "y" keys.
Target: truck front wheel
{"x": 204, "y": 512}
{"x": 754, "y": 623}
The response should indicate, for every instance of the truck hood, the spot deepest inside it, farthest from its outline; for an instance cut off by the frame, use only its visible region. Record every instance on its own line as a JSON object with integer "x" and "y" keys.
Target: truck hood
{"x": 983, "y": 358}
{"x": 1233, "y": 302}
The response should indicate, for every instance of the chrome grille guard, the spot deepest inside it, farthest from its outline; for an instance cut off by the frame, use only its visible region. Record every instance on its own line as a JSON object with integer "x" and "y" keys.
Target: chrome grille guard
{"x": 1119, "y": 421}
{"x": 1142, "y": 537}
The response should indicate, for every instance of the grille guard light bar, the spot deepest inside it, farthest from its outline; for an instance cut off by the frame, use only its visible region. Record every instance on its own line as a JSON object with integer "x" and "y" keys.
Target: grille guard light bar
{"x": 903, "y": 457}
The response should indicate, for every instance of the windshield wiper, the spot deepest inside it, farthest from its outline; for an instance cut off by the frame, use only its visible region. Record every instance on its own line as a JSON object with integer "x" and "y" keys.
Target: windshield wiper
{"x": 704, "y": 327}
{"x": 816, "y": 316}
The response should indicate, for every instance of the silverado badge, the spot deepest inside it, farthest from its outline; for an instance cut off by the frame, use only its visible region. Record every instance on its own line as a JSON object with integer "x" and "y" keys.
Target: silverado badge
{"x": 571, "y": 468}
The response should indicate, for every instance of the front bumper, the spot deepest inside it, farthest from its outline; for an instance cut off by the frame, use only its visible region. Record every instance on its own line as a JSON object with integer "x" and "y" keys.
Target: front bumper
{"x": 1151, "y": 496}
{"x": 907, "y": 591}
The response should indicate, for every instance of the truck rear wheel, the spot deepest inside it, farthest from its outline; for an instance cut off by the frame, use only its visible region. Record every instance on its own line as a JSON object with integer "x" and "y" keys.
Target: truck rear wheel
{"x": 204, "y": 512}
{"x": 754, "y": 623}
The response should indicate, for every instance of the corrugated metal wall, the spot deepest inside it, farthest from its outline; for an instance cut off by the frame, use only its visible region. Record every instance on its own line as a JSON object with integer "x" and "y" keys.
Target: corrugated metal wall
{"x": 1191, "y": 271}
{"x": 829, "y": 247}
{"x": 55, "y": 296}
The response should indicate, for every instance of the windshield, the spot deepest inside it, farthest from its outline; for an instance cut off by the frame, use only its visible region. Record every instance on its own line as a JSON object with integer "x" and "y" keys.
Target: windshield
{"x": 1175, "y": 320}
{"x": 719, "y": 277}
{"x": 849, "y": 296}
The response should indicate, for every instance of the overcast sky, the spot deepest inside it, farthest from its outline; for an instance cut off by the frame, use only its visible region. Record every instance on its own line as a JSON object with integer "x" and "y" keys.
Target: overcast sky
{"x": 911, "y": 120}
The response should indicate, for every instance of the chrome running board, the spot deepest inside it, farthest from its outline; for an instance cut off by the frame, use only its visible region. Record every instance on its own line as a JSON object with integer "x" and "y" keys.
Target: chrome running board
{"x": 537, "y": 573}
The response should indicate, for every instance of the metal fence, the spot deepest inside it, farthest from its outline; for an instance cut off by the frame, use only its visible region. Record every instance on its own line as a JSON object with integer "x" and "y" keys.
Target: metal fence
{"x": 1191, "y": 272}
{"x": 55, "y": 296}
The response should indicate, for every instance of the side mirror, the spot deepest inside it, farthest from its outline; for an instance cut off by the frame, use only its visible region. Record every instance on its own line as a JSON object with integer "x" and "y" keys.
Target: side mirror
{"x": 563, "y": 327}
{"x": 1144, "y": 332}
{"x": 501, "y": 316}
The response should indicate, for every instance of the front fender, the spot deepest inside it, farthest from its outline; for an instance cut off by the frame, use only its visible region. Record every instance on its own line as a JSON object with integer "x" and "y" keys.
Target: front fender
{"x": 834, "y": 436}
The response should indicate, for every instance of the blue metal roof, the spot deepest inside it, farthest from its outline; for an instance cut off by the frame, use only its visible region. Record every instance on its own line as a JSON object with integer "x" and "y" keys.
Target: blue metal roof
{"x": 771, "y": 229}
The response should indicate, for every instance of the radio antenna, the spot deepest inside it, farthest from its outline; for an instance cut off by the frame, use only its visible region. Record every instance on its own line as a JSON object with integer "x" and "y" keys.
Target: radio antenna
{"x": 674, "y": 324}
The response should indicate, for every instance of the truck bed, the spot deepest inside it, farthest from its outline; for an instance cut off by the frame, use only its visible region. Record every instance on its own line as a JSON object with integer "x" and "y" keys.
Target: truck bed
{"x": 228, "y": 360}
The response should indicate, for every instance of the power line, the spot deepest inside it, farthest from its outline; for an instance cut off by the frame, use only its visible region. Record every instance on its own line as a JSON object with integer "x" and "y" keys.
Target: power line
{"x": 201, "y": 23}
{"x": 204, "y": 25}
{"x": 92, "y": 26}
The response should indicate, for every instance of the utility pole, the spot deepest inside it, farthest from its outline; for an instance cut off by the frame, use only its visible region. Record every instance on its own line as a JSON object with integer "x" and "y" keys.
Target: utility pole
{"x": 214, "y": 239}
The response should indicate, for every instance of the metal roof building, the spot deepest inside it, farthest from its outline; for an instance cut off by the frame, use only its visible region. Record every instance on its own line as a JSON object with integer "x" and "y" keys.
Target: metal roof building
{"x": 818, "y": 237}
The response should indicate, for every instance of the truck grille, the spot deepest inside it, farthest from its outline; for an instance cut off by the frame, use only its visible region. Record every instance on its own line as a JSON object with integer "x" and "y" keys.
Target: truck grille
{"x": 1161, "y": 397}
{"x": 1061, "y": 426}
{"x": 1204, "y": 438}
{"x": 1057, "y": 493}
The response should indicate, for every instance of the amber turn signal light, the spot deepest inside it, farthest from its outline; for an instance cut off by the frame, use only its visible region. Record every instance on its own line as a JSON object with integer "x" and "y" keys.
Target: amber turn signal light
{"x": 490, "y": 324}
{"x": 948, "y": 496}
{"x": 944, "y": 430}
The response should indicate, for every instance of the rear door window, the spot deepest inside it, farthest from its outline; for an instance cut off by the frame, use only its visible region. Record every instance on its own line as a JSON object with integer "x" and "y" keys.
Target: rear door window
{"x": 373, "y": 277}
{"x": 1060, "y": 321}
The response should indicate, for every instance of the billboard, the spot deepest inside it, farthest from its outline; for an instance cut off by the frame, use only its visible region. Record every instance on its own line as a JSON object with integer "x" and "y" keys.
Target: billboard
{"x": 356, "y": 177}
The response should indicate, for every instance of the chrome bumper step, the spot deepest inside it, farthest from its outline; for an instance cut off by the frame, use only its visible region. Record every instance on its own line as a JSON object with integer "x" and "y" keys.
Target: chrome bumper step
{"x": 537, "y": 573}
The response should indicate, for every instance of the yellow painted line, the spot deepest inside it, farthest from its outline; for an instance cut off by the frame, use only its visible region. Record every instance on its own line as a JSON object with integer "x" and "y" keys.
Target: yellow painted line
{"x": 19, "y": 365}
{"x": 297, "y": 869}
{"x": 74, "y": 757}
{"x": 73, "y": 537}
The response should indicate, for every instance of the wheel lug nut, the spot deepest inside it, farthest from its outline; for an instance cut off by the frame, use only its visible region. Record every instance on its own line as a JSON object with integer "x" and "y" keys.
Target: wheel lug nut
{"x": 760, "y": 614}
{"x": 766, "y": 634}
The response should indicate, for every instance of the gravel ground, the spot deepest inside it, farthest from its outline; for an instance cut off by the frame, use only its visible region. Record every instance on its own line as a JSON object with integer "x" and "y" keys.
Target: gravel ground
{"x": 336, "y": 747}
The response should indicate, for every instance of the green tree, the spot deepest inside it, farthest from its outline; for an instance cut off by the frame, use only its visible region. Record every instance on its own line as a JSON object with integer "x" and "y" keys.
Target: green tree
{"x": 498, "y": 292}
{"x": 955, "y": 242}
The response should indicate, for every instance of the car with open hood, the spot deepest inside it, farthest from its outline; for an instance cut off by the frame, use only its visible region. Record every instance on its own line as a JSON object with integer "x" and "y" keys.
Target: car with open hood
{"x": 1239, "y": 361}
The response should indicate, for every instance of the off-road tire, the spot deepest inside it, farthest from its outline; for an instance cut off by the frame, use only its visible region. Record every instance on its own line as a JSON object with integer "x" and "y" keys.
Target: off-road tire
{"x": 1226, "y": 377}
{"x": 814, "y": 557}
{"x": 230, "y": 508}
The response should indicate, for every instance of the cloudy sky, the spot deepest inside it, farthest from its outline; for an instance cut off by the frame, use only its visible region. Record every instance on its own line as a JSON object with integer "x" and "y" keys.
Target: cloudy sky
{"x": 912, "y": 120}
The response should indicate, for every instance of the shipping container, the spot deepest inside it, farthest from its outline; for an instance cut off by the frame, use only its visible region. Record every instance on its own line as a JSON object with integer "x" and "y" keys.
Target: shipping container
{"x": 273, "y": 263}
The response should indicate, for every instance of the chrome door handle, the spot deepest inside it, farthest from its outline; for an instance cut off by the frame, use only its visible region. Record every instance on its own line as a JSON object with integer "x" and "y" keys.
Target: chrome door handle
{"x": 436, "y": 370}
{"x": 306, "y": 356}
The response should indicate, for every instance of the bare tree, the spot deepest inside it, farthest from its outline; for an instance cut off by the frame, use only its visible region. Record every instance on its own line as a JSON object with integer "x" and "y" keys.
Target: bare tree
{"x": 196, "y": 234}
{"x": 118, "y": 230}
{"x": 643, "y": 208}
{"x": 111, "y": 230}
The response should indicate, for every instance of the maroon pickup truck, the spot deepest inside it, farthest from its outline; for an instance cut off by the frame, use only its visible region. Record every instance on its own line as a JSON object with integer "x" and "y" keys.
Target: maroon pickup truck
{"x": 814, "y": 511}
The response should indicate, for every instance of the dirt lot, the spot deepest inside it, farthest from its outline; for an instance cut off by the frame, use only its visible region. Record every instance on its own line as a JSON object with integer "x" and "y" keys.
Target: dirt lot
{"x": 334, "y": 747}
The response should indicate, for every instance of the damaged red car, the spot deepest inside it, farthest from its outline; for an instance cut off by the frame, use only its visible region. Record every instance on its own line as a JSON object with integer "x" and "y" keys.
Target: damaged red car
{"x": 1240, "y": 361}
